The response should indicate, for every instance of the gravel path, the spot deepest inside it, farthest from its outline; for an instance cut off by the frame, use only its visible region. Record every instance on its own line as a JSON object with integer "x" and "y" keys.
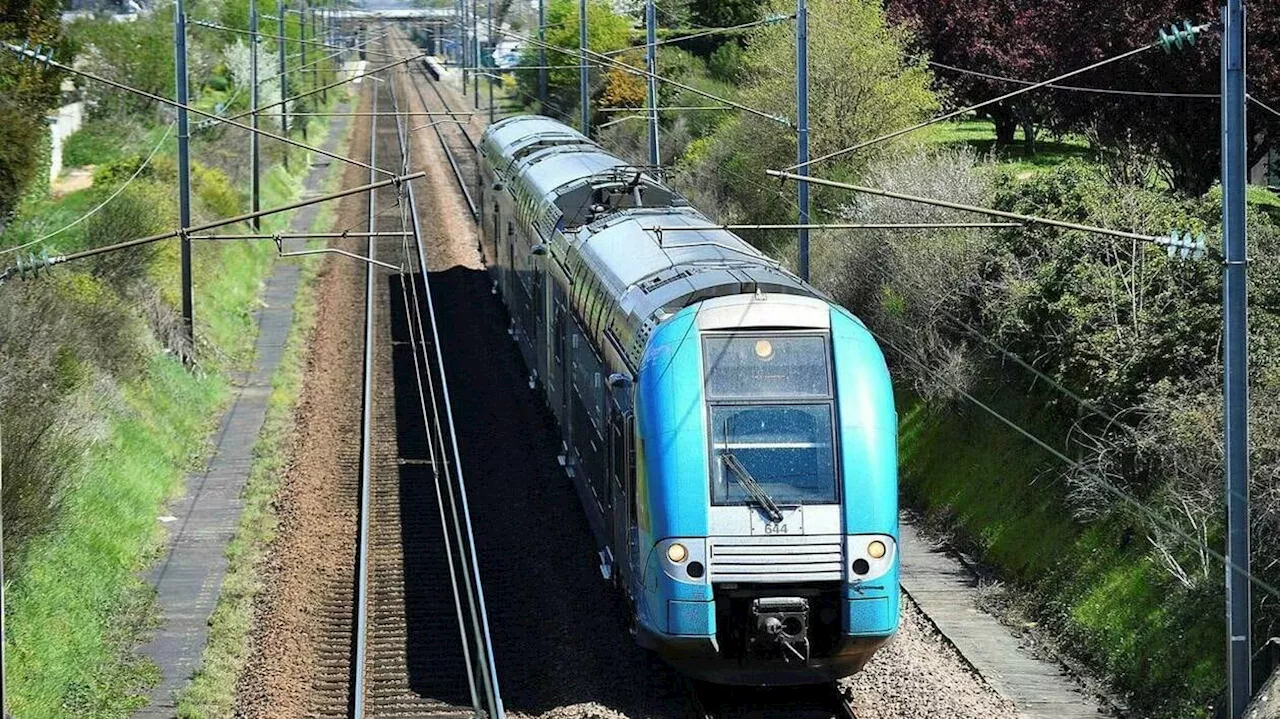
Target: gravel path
{"x": 311, "y": 566}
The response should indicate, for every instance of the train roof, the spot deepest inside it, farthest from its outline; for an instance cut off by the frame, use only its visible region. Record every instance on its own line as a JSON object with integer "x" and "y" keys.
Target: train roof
{"x": 599, "y": 213}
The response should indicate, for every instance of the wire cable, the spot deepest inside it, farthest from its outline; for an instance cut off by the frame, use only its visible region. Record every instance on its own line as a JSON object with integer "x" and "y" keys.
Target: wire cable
{"x": 1263, "y": 105}
{"x": 104, "y": 203}
{"x": 965, "y": 110}
{"x": 1076, "y": 88}
{"x": 1075, "y": 465}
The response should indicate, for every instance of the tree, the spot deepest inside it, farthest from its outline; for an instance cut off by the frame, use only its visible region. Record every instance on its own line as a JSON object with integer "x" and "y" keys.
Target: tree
{"x": 606, "y": 31}
{"x": 860, "y": 86}
{"x": 999, "y": 37}
{"x": 138, "y": 54}
{"x": 1037, "y": 40}
{"x": 27, "y": 93}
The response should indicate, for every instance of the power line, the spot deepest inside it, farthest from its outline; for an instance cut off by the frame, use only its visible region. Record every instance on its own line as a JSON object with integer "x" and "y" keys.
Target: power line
{"x": 644, "y": 73}
{"x": 1264, "y": 106}
{"x": 104, "y": 203}
{"x": 24, "y": 52}
{"x": 1009, "y": 95}
{"x": 1075, "y": 465}
{"x": 41, "y": 263}
{"x": 1077, "y": 88}
{"x": 710, "y": 31}
{"x": 1173, "y": 241}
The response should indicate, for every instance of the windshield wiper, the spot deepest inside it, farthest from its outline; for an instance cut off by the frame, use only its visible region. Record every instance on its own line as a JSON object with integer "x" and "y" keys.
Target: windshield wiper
{"x": 750, "y": 484}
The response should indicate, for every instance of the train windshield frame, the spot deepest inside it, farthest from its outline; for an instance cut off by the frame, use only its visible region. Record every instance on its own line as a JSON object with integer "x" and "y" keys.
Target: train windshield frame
{"x": 771, "y": 414}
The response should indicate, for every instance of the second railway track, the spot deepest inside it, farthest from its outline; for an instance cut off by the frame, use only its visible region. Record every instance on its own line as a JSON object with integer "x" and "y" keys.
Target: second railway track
{"x": 421, "y": 645}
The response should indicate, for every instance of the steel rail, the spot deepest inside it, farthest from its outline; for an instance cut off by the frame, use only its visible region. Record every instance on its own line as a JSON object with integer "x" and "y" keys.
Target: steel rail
{"x": 432, "y": 419}
{"x": 366, "y": 448}
{"x": 465, "y": 545}
{"x": 448, "y": 152}
{"x": 480, "y": 617}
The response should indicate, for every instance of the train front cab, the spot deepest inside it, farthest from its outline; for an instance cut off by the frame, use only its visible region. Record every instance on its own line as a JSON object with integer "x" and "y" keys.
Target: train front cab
{"x": 789, "y": 394}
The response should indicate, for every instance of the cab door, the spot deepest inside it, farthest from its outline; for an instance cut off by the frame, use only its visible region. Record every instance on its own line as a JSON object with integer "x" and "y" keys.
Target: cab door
{"x": 621, "y": 482}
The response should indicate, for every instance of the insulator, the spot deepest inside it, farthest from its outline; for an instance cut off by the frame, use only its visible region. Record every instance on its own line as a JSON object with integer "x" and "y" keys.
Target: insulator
{"x": 1175, "y": 37}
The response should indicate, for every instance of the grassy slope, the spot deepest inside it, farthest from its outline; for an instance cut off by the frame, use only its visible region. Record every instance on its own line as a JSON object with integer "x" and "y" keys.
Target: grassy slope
{"x": 1094, "y": 584}
{"x": 78, "y": 612}
{"x": 980, "y": 136}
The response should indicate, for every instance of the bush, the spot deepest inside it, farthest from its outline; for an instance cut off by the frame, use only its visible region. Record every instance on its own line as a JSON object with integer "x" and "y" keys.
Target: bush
{"x": 99, "y": 141}
{"x": 217, "y": 195}
{"x": 911, "y": 287}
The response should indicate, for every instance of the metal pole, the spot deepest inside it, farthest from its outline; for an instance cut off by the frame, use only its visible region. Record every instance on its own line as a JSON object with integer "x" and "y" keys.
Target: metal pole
{"x": 489, "y": 33}
{"x": 184, "y": 172}
{"x": 802, "y": 130}
{"x": 282, "y": 46}
{"x": 475, "y": 53}
{"x": 651, "y": 63}
{"x": 255, "y": 146}
{"x": 464, "y": 55}
{"x": 1236, "y": 355}
{"x": 324, "y": 77}
{"x": 3, "y": 685}
{"x": 302, "y": 36}
{"x": 542, "y": 56}
{"x": 584, "y": 98}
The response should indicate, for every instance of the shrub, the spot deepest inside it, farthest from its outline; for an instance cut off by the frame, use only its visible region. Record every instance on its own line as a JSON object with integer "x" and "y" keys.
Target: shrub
{"x": 99, "y": 141}
{"x": 216, "y": 193}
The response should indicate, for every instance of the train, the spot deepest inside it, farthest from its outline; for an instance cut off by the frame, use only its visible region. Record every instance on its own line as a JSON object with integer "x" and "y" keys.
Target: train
{"x": 730, "y": 430}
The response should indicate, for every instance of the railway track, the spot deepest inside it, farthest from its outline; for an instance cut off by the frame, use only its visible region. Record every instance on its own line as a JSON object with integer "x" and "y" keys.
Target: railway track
{"x": 460, "y": 148}
{"x": 421, "y": 643}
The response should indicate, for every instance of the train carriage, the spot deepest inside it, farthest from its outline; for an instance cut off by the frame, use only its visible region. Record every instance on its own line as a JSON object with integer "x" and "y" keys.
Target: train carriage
{"x": 731, "y": 432}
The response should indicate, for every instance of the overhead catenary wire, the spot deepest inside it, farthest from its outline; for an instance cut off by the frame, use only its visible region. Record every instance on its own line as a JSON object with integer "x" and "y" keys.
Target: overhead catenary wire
{"x": 644, "y": 73}
{"x": 711, "y": 31}
{"x": 271, "y": 36}
{"x": 33, "y": 55}
{"x": 330, "y": 86}
{"x": 977, "y": 106}
{"x": 202, "y": 227}
{"x": 1078, "y": 88}
{"x": 1263, "y": 105}
{"x": 1157, "y": 239}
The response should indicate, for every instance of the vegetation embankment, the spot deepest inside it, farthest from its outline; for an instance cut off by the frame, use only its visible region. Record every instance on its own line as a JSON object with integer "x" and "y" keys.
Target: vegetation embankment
{"x": 1107, "y": 350}
{"x": 101, "y": 418}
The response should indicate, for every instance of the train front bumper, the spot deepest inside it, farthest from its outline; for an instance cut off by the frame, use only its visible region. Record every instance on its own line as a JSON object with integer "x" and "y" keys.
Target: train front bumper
{"x": 700, "y": 658}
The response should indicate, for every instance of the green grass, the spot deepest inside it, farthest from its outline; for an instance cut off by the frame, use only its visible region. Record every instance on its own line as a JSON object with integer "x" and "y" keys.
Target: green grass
{"x": 1096, "y": 586}
{"x": 211, "y": 692}
{"x": 81, "y": 606}
{"x": 79, "y": 609}
{"x": 980, "y": 136}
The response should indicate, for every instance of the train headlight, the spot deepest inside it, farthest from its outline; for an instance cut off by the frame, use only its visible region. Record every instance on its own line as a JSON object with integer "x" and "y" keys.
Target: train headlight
{"x": 876, "y": 549}
{"x": 764, "y": 350}
{"x": 677, "y": 553}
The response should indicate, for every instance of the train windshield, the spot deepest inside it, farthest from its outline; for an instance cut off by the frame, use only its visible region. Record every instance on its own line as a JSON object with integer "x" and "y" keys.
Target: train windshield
{"x": 770, "y": 416}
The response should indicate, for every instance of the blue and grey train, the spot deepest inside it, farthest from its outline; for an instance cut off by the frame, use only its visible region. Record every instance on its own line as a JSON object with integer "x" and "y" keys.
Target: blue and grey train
{"x": 730, "y": 430}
